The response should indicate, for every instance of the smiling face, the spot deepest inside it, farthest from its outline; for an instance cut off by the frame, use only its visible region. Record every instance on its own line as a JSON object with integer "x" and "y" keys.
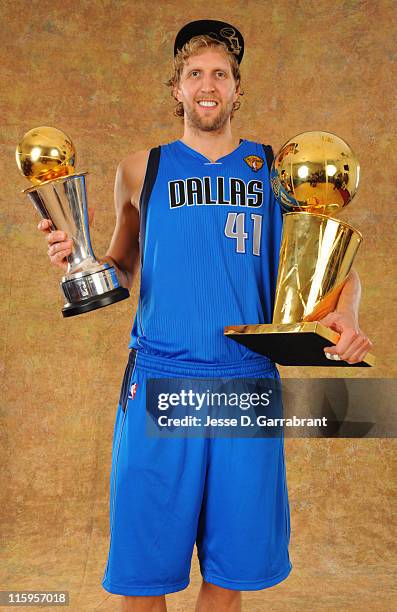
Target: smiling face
{"x": 207, "y": 90}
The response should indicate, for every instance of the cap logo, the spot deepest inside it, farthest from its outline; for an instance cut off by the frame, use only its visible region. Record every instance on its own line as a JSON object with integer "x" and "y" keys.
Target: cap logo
{"x": 254, "y": 162}
{"x": 230, "y": 35}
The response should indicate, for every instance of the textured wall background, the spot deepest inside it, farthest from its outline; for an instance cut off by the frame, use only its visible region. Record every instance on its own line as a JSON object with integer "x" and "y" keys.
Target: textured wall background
{"x": 98, "y": 72}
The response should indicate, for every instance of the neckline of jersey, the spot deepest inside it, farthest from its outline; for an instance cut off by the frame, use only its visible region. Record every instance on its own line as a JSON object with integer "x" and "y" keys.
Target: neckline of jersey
{"x": 203, "y": 157}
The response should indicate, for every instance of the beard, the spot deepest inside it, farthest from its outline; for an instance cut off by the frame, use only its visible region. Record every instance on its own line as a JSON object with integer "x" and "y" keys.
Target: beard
{"x": 209, "y": 123}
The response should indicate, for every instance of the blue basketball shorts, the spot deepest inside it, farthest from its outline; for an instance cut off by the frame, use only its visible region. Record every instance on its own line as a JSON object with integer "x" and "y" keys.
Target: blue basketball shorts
{"x": 226, "y": 495}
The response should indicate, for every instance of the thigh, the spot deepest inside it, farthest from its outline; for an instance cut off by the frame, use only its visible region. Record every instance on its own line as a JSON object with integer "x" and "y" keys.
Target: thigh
{"x": 156, "y": 493}
{"x": 244, "y": 526}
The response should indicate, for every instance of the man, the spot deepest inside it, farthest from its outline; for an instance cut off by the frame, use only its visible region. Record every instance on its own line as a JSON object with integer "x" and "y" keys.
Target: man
{"x": 203, "y": 225}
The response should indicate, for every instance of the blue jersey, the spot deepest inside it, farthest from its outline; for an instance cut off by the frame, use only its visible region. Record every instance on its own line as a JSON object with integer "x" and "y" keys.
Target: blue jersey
{"x": 209, "y": 241}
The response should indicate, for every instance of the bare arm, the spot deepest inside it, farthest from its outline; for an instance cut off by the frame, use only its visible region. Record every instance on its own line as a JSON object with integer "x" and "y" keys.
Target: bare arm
{"x": 123, "y": 251}
{"x": 353, "y": 344}
{"x": 349, "y": 299}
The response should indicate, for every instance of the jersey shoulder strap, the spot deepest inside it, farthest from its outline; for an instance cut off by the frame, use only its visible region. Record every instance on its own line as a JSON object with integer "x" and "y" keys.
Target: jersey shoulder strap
{"x": 147, "y": 188}
{"x": 269, "y": 159}
{"x": 150, "y": 177}
{"x": 269, "y": 155}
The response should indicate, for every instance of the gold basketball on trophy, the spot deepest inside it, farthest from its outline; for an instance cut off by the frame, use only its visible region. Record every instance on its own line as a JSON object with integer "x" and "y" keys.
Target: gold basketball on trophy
{"x": 45, "y": 153}
{"x": 315, "y": 172}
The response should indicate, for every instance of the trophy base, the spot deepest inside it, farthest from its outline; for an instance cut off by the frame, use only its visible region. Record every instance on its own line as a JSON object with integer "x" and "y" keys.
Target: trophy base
{"x": 111, "y": 297}
{"x": 292, "y": 344}
{"x": 94, "y": 288}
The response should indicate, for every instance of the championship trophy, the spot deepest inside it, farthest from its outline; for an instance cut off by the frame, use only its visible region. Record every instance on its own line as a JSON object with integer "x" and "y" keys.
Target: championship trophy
{"x": 314, "y": 175}
{"x": 46, "y": 156}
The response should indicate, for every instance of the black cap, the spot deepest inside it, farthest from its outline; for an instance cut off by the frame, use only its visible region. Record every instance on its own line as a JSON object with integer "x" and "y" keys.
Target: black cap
{"x": 224, "y": 32}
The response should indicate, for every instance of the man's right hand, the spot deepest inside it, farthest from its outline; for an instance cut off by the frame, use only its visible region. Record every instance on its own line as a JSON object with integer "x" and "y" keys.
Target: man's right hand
{"x": 59, "y": 246}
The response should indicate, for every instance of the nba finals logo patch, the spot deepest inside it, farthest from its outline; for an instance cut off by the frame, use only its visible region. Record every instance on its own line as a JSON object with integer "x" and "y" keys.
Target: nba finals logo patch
{"x": 254, "y": 161}
{"x": 132, "y": 392}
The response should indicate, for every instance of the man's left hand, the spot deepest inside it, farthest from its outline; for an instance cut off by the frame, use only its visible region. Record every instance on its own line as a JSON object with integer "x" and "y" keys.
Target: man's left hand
{"x": 353, "y": 344}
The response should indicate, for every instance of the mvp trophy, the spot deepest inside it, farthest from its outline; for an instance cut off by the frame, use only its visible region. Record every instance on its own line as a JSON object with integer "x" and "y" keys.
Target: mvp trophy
{"x": 46, "y": 156}
{"x": 314, "y": 175}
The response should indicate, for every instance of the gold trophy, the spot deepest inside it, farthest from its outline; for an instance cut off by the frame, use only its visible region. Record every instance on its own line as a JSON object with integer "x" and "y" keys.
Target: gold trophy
{"x": 314, "y": 175}
{"x": 46, "y": 156}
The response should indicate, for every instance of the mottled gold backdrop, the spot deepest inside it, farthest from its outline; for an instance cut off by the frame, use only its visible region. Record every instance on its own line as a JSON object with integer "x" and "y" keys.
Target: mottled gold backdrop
{"x": 97, "y": 71}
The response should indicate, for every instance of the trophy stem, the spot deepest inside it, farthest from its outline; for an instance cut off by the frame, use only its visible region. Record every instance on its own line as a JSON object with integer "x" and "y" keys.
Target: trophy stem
{"x": 316, "y": 255}
{"x": 64, "y": 202}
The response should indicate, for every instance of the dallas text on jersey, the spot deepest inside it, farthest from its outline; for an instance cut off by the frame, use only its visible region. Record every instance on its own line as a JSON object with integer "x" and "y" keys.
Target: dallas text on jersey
{"x": 201, "y": 191}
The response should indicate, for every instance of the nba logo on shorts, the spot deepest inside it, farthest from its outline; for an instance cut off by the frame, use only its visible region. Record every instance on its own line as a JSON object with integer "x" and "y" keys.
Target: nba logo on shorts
{"x": 132, "y": 392}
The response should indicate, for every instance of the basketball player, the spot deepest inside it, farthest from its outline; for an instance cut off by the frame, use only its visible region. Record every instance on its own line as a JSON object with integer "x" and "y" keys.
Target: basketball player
{"x": 199, "y": 217}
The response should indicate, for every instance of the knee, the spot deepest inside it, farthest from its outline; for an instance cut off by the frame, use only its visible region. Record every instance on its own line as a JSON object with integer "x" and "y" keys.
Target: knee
{"x": 143, "y": 603}
{"x": 218, "y": 593}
